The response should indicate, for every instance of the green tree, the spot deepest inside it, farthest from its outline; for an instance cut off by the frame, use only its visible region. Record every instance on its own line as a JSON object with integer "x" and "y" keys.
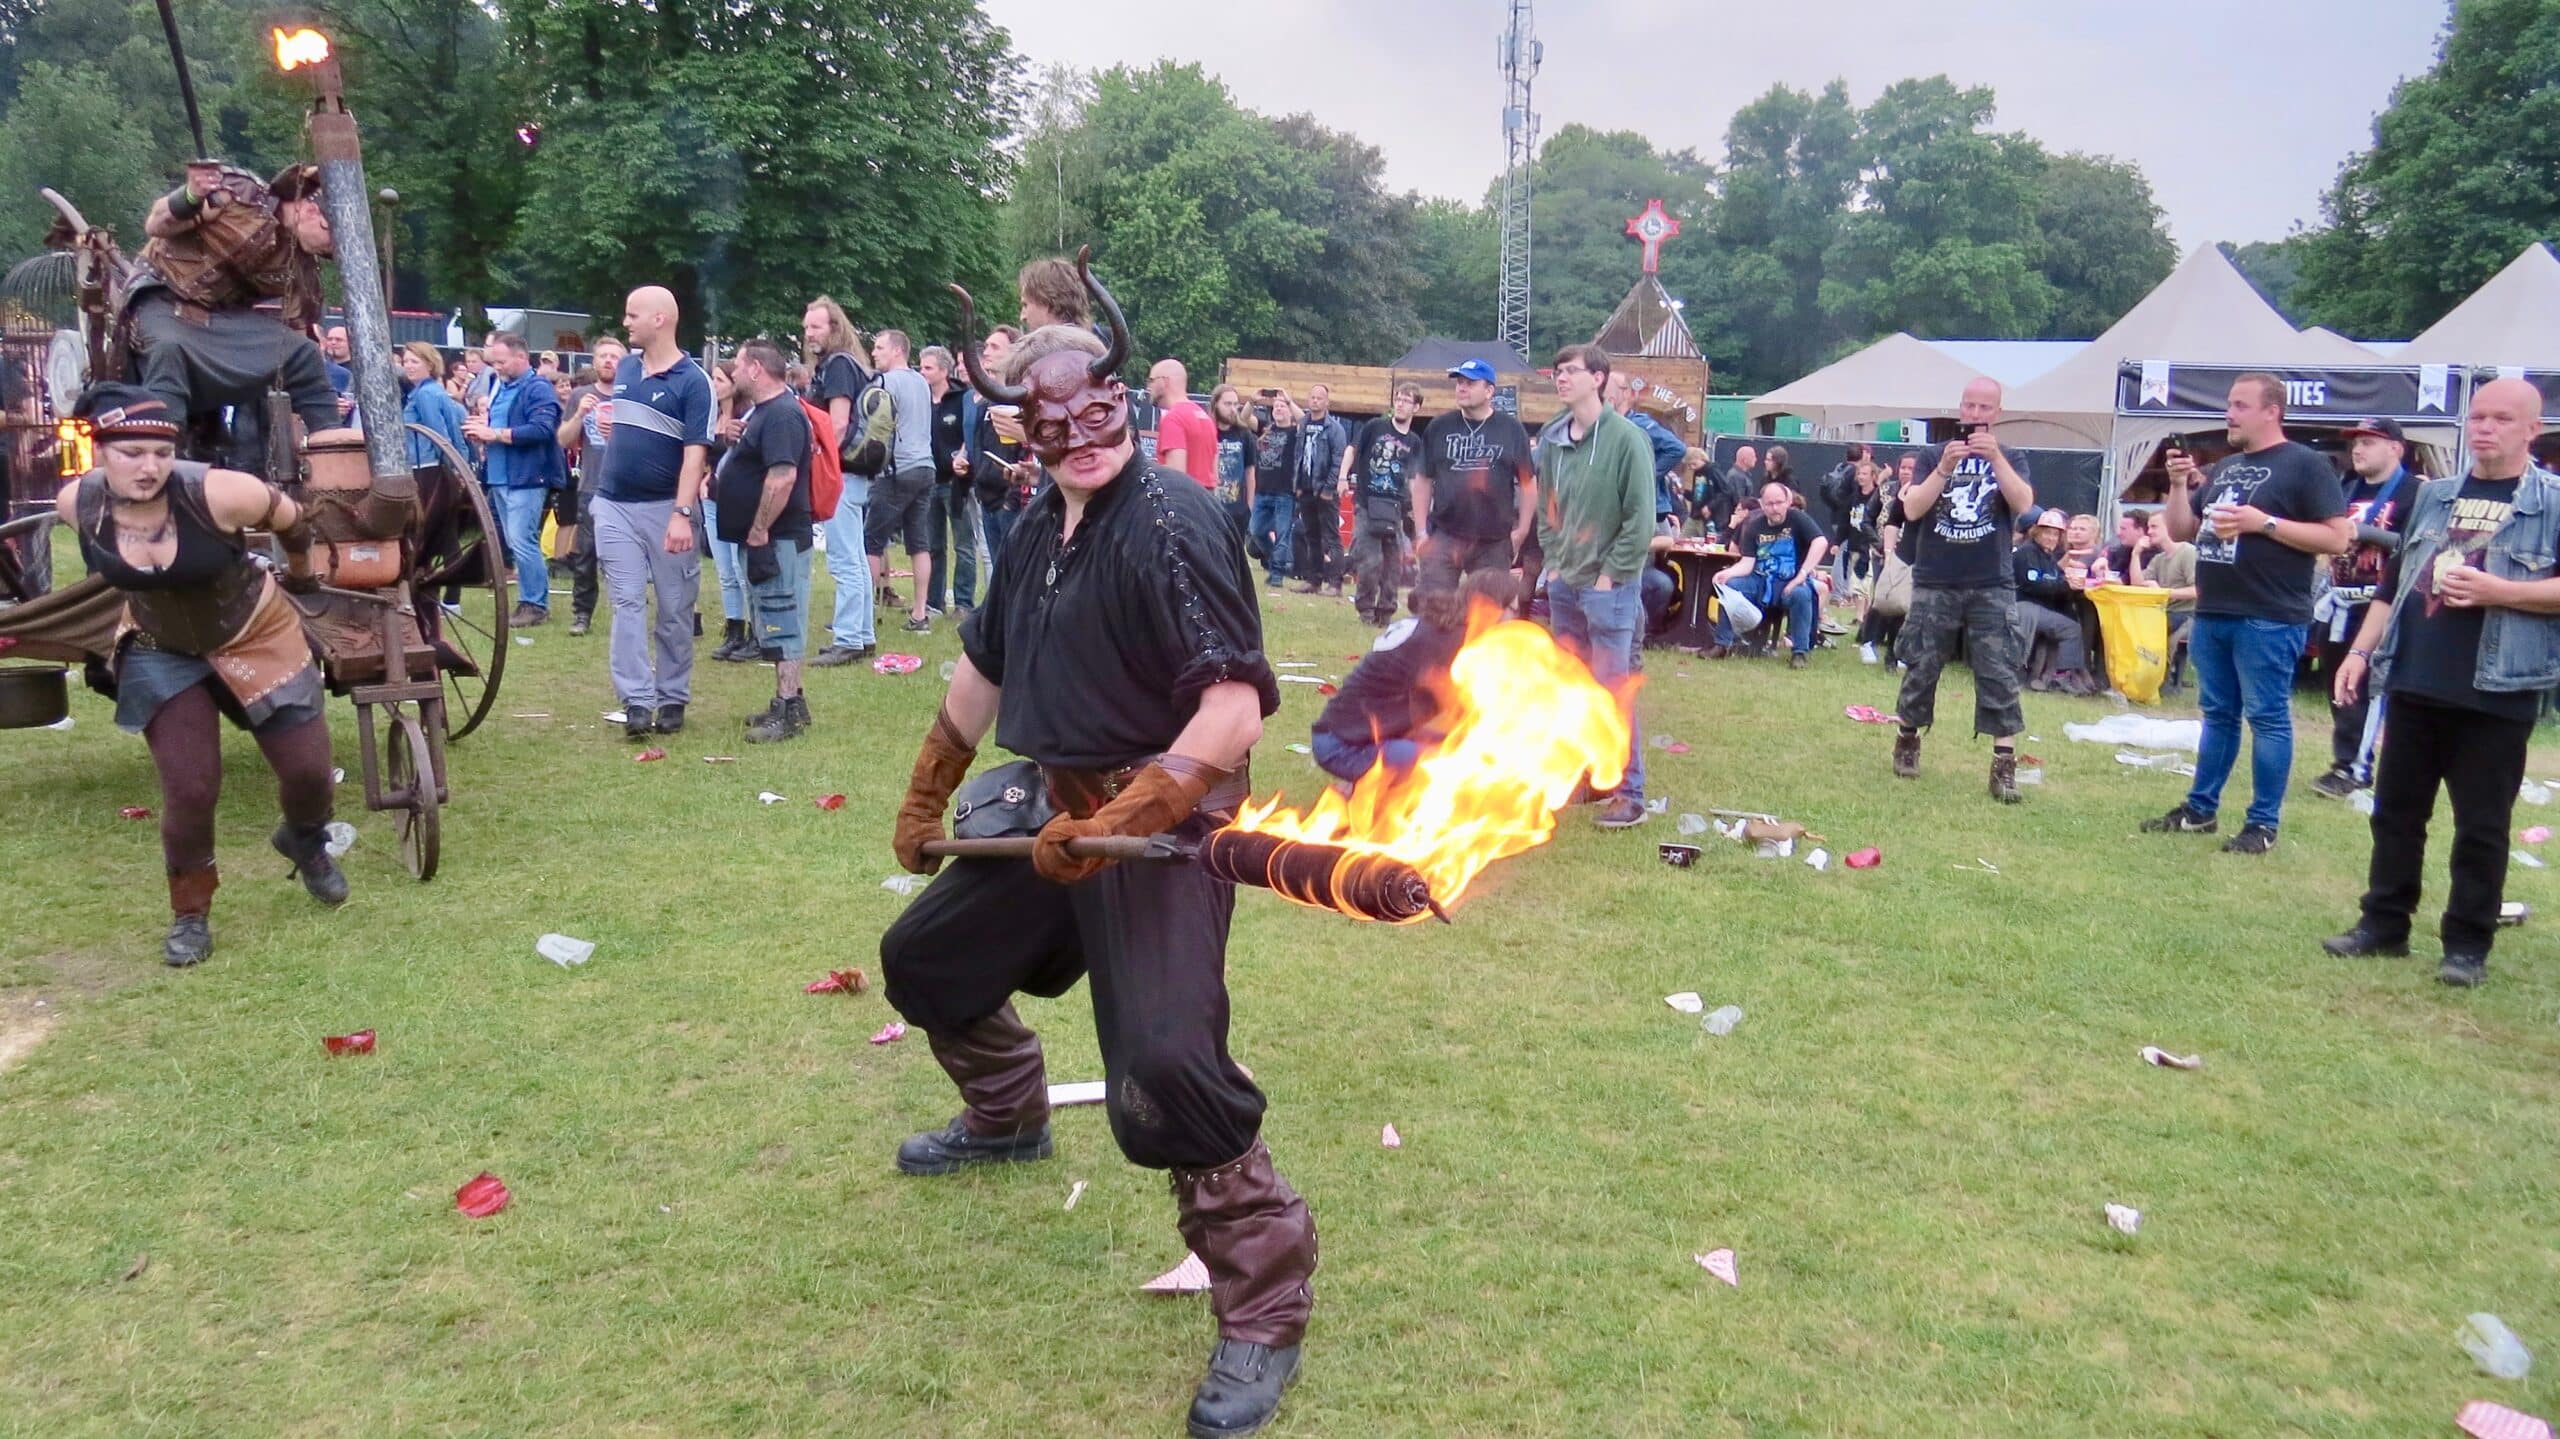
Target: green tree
{"x": 2105, "y": 244}
{"x": 1457, "y": 252}
{"x": 2275, "y": 267}
{"x": 66, "y": 130}
{"x": 2463, "y": 173}
{"x": 752, "y": 156}
{"x": 1791, "y": 169}
{"x": 1945, "y": 242}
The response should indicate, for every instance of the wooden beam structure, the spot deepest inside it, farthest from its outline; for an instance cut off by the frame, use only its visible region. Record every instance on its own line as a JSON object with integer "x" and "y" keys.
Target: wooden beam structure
{"x": 1675, "y": 389}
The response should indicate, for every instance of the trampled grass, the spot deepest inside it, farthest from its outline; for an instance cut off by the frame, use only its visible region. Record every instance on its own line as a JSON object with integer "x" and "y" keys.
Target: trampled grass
{"x": 1907, "y": 1142}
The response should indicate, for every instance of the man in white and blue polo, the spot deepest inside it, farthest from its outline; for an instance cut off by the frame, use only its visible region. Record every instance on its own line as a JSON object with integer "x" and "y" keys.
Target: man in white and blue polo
{"x": 644, "y": 515}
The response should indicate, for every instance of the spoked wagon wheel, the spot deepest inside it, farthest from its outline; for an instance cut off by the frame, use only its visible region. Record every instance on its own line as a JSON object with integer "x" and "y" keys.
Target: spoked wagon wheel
{"x": 462, "y": 551}
{"x": 409, "y": 763}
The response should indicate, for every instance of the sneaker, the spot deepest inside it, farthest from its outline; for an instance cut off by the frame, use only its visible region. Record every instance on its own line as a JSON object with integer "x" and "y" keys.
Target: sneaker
{"x": 2336, "y": 784}
{"x": 2252, "y": 839}
{"x": 2365, "y": 942}
{"x": 1906, "y": 756}
{"x": 671, "y": 719}
{"x": 2004, "y": 776}
{"x": 638, "y": 721}
{"x": 1624, "y": 812}
{"x": 1867, "y": 654}
{"x": 832, "y": 656}
{"x": 2463, "y": 971}
{"x": 920, "y": 626}
{"x": 579, "y": 625}
{"x": 933, "y": 612}
{"x": 1798, "y": 660}
{"x": 2181, "y": 820}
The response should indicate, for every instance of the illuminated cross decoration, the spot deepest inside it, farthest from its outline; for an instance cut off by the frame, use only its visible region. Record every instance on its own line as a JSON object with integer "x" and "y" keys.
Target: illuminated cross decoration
{"x": 1653, "y": 227}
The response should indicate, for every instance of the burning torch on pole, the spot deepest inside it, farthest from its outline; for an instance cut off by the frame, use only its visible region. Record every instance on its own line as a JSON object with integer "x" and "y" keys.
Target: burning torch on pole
{"x": 339, "y": 154}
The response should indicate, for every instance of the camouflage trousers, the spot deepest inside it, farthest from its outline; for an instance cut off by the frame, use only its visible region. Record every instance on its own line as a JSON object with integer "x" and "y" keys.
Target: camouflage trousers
{"x": 1983, "y": 616}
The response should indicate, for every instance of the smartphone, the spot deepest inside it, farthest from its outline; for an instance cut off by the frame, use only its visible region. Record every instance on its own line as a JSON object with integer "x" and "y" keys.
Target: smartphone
{"x": 1969, "y": 431}
{"x": 1268, "y": 394}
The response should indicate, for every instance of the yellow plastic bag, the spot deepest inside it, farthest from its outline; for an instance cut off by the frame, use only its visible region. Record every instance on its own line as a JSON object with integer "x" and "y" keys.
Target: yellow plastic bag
{"x": 2133, "y": 621}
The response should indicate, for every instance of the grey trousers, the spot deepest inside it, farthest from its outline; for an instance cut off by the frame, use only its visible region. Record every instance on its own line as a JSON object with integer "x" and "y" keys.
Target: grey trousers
{"x": 651, "y": 662}
{"x": 2035, "y": 622}
{"x": 229, "y": 359}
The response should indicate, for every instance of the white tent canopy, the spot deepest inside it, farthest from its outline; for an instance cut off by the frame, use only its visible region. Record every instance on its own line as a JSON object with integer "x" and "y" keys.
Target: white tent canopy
{"x": 2204, "y": 313}
{"x": 1895, "y": 377}
{"x": 2513, "y": 321}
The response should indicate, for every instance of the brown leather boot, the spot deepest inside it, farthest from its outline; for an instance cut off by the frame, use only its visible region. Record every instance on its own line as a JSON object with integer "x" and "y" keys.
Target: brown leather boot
{"x": 2004, "y": 776}
{"x": 1253, "y": 1233}
{"x": 190, "y": 909}
{"x": 1906, "y": 756}
{"x": 996, "y": 1063}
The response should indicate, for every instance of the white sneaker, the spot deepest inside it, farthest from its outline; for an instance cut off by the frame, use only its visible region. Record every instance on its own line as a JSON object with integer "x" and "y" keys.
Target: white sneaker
{"x": 1866, "y": 654}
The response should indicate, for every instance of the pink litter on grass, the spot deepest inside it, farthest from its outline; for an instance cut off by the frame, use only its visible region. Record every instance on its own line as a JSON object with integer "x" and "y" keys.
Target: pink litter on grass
{"x": 2484, "y": 1420}
{"x": 890, "y": 1033}
{"x": 897, "y": 664}
{"x": 1390, "y": 1138}
{"x": 836, "y": 981}
{"x": 1189, "y": 1277}
{"x": 2536, "y": 835}
{"x": 1867, "y": 858}
{"x": 1869, "y": 714}
{"x": 483, "y": 1196}
{"x": 649, "y": 755}
{"x": 1719, "y": 1262}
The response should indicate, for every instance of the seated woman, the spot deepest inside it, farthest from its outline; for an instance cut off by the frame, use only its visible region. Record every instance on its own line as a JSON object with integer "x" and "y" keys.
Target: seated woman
{"x": 206, "y": 632}
{"x": 1388, "y": 707}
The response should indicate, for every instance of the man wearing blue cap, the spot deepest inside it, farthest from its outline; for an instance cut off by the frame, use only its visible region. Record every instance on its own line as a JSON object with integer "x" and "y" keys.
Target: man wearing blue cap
{"x": 1477, "y": 493}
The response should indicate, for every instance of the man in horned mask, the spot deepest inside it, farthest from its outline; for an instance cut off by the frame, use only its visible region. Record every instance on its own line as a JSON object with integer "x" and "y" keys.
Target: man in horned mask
{"x": 1120, "y": 650}
{"x": 221, "y": 244}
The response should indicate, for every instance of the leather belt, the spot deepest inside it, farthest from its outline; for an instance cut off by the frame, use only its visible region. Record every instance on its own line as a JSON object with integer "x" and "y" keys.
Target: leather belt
{"x": 1079, "y": 792}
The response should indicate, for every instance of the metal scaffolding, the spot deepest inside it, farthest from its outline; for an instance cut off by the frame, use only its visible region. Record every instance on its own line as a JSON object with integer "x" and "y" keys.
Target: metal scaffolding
{"x": 1520, "y": 53}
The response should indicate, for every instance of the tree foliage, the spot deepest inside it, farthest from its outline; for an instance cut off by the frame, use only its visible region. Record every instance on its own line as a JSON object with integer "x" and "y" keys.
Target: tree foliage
{"x": 1222, "y": 232}
{"x": 2464, "y": 172}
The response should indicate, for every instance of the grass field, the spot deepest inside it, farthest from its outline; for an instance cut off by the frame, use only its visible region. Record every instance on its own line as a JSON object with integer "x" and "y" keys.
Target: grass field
{"x": 1908, "y": 1141}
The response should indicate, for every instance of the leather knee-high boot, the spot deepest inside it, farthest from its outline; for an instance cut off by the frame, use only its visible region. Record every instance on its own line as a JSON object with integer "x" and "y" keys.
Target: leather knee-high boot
{"x": 1005, "y": 1087}
{"x": 1255, "y": 1236}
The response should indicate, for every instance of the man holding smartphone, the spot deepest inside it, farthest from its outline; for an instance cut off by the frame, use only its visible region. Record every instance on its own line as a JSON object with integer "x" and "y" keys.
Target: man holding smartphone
{"x": 1964, "y": 514}
{"x": 2267, "y": 510}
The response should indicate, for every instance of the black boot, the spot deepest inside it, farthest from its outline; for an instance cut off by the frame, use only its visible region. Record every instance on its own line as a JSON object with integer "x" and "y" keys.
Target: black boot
{"x": 734, "y": 645}
{"x": 1241, "y": 1392}
{"x": 996, "y": 1063}
{"x": 308, "y": 851}
{"x": 788, "y": 720}
{"x": 190, "y": 938}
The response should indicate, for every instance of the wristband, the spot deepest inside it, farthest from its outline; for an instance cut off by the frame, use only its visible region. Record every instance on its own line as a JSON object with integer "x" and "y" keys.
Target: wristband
{"x": 2365, "y": 655}
{"x": 183, "y": 204}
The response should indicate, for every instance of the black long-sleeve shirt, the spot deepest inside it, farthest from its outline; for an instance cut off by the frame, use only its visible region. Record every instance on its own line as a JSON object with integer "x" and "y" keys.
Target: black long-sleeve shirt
{"x": 1104, "y": 643}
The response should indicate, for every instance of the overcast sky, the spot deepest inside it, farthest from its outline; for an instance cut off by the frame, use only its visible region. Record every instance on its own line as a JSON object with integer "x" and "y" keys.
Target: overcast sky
{"x": 2239, "y": 112}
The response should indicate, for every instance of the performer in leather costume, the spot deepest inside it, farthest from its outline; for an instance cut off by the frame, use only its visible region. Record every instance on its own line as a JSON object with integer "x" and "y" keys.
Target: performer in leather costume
{"x": 219, "y": 245}
{"x": 207, "y": 631}
{"x": 1119, "y": 649}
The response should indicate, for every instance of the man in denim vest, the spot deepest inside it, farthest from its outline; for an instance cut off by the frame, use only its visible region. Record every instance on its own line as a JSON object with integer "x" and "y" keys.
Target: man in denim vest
{"x": 2466, "y": 650}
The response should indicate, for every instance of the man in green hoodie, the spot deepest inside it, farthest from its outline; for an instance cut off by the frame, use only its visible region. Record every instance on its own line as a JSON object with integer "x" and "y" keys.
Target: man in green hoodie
{"x": 1595, "y": 517}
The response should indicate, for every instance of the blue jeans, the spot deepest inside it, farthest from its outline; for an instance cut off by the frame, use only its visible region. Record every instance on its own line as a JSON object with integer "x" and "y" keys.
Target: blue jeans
{"x": 847, "y": 565}
{"x": 999, "y": 523}
{"x": 1601, "y": 627}
{"x": 2244, "y": 670}
{"x": 725, "y": 563}
{"x": 1274, "y": 520}
{"x": 1804, "y": 610}
{"x": 520, "y": 525}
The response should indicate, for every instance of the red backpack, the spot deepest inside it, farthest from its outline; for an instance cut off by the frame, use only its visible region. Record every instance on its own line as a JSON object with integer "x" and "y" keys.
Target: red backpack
{"x": 826, "y": 467}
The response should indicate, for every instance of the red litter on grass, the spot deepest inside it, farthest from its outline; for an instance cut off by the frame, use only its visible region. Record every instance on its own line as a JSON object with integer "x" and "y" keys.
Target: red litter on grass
{"x": 1675, "y": 747}
{"x": 133, "y": 811}
{"x": 360, "y": 1042}
{"x": 838, "y": 981}
{"x": 897, "y": 664}
{"x": 649, "y": 754}
{"x": 1867, "y": 858}
{"x": 1328, "y": 688}
{"x": 483, "y": 1196}
{"x": 830, "y": 801}
{"x": 890, "y": 1033}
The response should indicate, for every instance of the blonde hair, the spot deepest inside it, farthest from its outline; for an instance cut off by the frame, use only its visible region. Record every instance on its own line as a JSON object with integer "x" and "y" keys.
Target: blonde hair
{"x": 841, "y": 336}
{"x": 429, "y": 355}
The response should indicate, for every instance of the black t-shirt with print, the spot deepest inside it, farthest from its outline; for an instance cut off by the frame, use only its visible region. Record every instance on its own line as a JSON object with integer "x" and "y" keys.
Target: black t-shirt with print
{"x": 2383, "y": 505}
{"x": 776, "y": 433}
{"x": 1237, "y": 454}
{"x": 2256, "y": 576}
{"x": 1275, "y": 457}
{"x": 2437, "y": 656}
{"x": 1387, "y": 459}
{"x": 1964, "y": 542}
{"x": 1758, "y": 541}
{"x": 1476, "y": 468}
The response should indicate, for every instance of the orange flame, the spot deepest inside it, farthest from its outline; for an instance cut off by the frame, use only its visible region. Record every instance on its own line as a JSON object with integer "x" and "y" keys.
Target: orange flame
{"x": 298, "y": 48}
{"x": 77, "y": 450}
{"x": 1523, "y": 722}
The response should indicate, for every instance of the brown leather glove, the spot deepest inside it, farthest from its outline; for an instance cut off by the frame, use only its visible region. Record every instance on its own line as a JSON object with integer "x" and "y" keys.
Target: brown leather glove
{"x": 940, "y": 766}
{"x": 1155, "y": 800}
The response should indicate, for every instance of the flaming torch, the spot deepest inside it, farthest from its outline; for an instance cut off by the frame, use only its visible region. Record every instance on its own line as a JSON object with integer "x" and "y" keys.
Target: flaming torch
{"x": 338, "y": 151}
{"x": 1523, "y": 722}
